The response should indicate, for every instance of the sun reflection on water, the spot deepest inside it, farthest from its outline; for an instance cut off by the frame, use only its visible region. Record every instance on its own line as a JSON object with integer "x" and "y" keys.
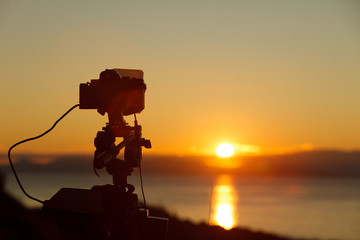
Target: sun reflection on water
{"x": 223, "y": 203}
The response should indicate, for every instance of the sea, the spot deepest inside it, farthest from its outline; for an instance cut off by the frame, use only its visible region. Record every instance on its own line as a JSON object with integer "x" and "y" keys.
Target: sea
{"x": 297, "y": 207}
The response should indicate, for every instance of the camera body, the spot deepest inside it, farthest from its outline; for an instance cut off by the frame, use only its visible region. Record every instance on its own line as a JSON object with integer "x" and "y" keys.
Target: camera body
{"x": 117, "y": 92}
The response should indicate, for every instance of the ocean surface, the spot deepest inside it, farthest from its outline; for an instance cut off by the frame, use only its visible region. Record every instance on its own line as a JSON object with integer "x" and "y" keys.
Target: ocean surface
{"x": 321, "y": 208}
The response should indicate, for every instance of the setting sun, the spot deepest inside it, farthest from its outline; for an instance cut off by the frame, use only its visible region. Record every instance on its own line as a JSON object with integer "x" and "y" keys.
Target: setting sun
{"x": 225, "y": 150}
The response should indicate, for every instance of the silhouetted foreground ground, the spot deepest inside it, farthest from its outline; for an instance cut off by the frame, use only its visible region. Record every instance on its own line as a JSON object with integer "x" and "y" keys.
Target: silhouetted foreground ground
{"x": 17, "y": 222}
{"x": 180, "y": 229}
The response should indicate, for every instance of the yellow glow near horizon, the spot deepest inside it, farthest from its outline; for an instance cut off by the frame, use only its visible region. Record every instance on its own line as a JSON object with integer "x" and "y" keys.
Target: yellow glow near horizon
{"x": 225, "y": 150}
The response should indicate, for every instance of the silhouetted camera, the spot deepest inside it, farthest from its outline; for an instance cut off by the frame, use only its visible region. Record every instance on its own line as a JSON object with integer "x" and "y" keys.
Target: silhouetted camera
{"x": 117, "y": 91}
{"x": 110, "y": 211}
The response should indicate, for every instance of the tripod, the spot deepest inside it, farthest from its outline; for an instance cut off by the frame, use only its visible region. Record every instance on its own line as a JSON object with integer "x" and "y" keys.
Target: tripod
{"x": 110, "y": 211}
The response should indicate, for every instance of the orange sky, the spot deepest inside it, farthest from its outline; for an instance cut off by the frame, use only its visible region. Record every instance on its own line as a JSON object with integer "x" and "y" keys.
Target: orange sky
{"x": 268, "y": 76}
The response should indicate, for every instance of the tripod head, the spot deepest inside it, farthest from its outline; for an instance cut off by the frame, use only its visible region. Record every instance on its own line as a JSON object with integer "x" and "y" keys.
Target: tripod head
{"x": 106, "y": 151}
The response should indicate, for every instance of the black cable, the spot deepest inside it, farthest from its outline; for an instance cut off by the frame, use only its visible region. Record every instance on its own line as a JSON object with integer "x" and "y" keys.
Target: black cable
{"x": 30, "y": 139}
{"x": 141, "y": 181}
{"x": 142, "y": 187}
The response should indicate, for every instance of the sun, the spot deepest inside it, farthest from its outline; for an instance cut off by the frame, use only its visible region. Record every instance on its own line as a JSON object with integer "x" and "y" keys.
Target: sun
{"x": 225, "y": 150}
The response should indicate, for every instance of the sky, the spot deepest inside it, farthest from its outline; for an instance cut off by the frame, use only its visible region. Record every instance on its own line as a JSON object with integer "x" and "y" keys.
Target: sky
{"x": 267, "y": 76}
